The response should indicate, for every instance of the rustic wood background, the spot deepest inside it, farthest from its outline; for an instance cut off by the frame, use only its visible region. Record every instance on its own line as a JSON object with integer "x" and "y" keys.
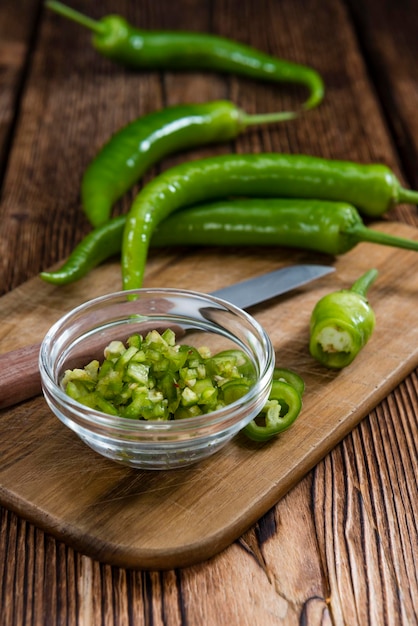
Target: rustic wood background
{"x": 341, "y": 547}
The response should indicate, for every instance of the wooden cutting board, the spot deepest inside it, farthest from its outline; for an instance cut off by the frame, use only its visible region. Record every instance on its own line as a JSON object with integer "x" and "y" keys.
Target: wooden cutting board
{"x": 173, "y": 518}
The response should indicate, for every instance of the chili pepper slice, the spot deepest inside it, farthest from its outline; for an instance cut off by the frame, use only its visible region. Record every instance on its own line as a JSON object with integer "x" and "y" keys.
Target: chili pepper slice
{"x": 291, "y": 378}
{"x": 341, "y": 324}
{"x": 235, "y": 389}
{"x": 279, "y": 413}
{"x": 372, "y": 188}
{"x": 119, "y": 41}
{"x": 320, "y": 225}
{"x": 132, "y": 150}
{"x": 231, "y": 363}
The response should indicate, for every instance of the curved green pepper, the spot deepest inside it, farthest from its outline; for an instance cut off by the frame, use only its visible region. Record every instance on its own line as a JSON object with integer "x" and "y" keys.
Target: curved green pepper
{"x": 341, "y": 324}
{"x": 133, "y": 149}
{"x": 117, "y": 40}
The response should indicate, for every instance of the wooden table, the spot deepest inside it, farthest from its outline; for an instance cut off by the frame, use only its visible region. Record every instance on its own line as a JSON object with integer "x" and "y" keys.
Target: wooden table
{"x": 341, "y": 546}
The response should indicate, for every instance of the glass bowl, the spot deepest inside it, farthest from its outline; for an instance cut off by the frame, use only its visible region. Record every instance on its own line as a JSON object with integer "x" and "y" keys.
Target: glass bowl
{"x": 197, "y": 319}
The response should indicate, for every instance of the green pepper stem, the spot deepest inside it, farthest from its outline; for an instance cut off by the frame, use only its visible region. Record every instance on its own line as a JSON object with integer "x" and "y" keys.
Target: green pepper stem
{"x": 75, "y": 16}
{"x": 362, "y": 284}
{"x": 408, "y": 196}
{"x": 362, "y": 233}
{"x": 267, "y": 118}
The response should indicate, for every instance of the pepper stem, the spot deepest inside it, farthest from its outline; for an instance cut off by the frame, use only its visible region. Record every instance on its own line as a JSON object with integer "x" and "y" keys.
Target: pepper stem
{"x": 408, "y": 196}
{"x": 362, "y": 233}
{"x": 75, "y": 16}
{"x": 267, "y": 118}
{"x": 362, "y": 284}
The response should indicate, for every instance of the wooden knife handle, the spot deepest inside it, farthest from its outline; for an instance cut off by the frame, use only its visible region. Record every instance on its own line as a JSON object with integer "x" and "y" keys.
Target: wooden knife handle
{"x": 19, "y": 375}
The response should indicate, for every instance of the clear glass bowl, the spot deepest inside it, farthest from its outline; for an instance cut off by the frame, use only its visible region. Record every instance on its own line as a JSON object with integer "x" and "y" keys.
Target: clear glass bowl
{"x": 197, "y": 319}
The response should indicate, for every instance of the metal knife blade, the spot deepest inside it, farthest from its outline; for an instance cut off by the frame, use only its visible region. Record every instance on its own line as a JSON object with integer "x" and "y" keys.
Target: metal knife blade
{"x": 261, "y": 288}
{"x": 19, "y": 372}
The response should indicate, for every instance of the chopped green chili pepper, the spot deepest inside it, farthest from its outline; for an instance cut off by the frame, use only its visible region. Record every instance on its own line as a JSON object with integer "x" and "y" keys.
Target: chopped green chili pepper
{"x": 320, "y": 225}
{"x": 154, "y": 378}
{"x": 341, "y": 324}
{"x": 131, "y": 151}
{"x": 117, "y": 40}
{"x": 280, "y": 411}
{"x": 373, "y": 188}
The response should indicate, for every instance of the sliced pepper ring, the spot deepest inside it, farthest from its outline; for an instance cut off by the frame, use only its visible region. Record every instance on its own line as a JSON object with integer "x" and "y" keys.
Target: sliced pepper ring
{"x": 280, "y": 411}
{"x": 290, "y": 377}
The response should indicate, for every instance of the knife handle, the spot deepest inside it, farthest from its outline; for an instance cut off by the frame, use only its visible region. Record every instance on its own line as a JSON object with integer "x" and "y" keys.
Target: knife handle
{"x": 19, "y": 375}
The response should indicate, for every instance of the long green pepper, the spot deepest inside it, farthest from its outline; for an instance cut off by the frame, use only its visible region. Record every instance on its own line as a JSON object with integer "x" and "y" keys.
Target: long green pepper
{"x": 319, "y": 225}
{"x": 371, "y": 188}
{"x": 131, "y": 151}
{"x": 324, "y": 226}
{"x": 119, "y": 41}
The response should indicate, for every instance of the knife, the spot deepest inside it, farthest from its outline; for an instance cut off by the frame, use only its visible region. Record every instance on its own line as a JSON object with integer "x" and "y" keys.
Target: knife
{"x": 22, "y": 364}
{"x": 262, "y": 288}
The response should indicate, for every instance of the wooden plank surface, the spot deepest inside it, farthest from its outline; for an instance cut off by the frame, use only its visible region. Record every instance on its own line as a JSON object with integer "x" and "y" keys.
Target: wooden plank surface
{"x": 350, "y": 558}
{"x": 17, "y": 24}
{"x": 119, "y": 515}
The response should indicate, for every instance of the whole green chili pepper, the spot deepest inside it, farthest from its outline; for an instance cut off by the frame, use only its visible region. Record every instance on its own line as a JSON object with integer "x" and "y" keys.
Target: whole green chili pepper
{"x": 341, "y": 324}
{"x": 373, "y": 188}
{"x": 117, "y": 40}
{"x": 320, "y": 225}
{"x": 138, "y": 145}
{"x": 279, "y": 412}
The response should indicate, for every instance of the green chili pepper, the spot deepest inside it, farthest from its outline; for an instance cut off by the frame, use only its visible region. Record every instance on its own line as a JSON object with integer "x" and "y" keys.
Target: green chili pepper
{"x": 117, "y": 40}
{"x": 370, "y": 187}
{"x": 341, "y": 324}
{"x": 138, "y": 145}
{"x": 319, "y": 225}
{"x": 279, "y": 412}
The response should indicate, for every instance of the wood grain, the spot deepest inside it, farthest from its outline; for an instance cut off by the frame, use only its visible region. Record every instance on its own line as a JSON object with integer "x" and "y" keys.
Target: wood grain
{"x": 17, "y": 22}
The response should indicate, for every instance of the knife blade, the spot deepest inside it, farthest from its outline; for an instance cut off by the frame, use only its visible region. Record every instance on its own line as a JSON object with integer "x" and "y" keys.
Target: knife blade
{"x": 261, "y": 288}
{"x": 19, "y": 372}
